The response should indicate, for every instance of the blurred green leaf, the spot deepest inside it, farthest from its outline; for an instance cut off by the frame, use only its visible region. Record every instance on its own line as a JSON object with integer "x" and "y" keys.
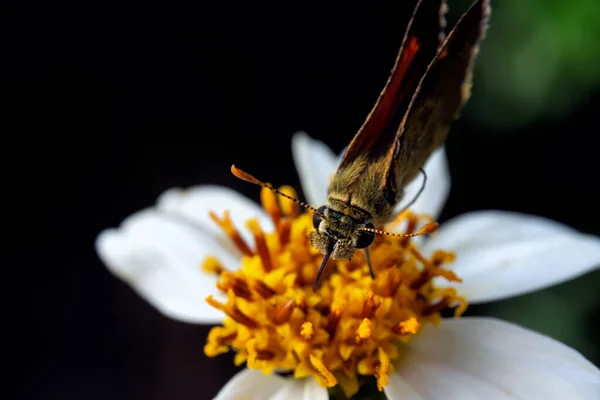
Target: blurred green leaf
{"x": 538, "y": 61}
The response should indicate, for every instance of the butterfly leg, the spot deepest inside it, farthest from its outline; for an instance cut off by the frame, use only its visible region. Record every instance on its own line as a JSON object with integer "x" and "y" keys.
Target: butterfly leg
{"x": 368, "y": 257}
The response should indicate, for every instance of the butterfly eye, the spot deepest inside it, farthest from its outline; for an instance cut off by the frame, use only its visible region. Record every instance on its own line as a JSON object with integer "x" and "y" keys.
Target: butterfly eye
{"x": 365, "y": 238}
{"x": 317, "y": 217}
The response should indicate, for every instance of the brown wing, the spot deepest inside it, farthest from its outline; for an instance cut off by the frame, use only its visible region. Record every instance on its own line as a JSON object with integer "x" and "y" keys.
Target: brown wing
{"x": 424, "y": 35}
{"x": 437, "y": 102}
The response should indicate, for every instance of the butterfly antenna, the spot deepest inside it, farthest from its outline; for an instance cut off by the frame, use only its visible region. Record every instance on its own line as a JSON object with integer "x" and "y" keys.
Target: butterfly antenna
{"x": 249, "y": 178}
{"x": 414, "y": 199}
{"x": 425, "y": 230}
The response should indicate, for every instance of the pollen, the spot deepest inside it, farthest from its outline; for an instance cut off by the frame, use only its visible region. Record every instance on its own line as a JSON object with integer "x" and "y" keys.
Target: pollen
{"x": 352, "y": 326}
{"x": 307, "y": 331}
{"x": 410, "y": 326}
{"x": 364, "y": 331}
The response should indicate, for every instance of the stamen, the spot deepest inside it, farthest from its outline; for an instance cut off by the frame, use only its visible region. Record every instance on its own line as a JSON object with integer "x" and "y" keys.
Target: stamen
{"x": 261, "y": 244}
{"x": 264, "y": 355}
{"x": 412, "y": 225}
{"x": 440, "y": 257}
{"x": 212, "y": 266}
{"x": 284, "y": 312}
{"x": 346, "y": 350}
{"x": 259, "y": 357}
{"x": 218, "y": 341}
{"x": 263, "y": 289}
{"x": 446, "y": 273}
{"x": 269, "y": 203}
{"x": 227, "y": 225}
{"x": 239, "y": 286}
{"x": 383, "y": 369}
{"x": 437, "y": 307}
{"x": 240, "y": 358}
{"x": 334, "y": 318}
{"x": 421, "y": 280}
{"x": 283, "y": 231}
{"x": 393, "y": 281}
{"x": 371, "y": 304}
{"x": 288, "y": 207}
{"x": 431, "y": 270}
{"x": 453, "y": 299}
{"x": 330, "y": 380}
{"x": 426, "y": 263}
{"x": 301, "y": 303}
{"x": 233, "y": 312}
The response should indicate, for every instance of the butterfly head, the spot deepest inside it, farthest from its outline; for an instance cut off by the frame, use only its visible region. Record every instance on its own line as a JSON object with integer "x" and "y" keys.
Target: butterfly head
{"x": 337, "y": 235}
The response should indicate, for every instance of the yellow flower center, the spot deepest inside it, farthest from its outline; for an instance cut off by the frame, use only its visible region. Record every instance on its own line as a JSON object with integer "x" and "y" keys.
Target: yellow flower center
{"x": 352, "y": 325}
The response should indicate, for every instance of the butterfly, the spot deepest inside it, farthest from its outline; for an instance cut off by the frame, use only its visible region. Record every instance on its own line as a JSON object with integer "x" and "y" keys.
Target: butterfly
{"x": 429, "y": 84}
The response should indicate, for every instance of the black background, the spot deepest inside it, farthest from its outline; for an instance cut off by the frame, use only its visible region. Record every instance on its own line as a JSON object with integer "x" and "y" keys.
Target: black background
{"x": 110, "y": 105}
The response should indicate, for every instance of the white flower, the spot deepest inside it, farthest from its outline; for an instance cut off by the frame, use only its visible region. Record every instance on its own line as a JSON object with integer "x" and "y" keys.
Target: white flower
{"x": 499, "y": 254}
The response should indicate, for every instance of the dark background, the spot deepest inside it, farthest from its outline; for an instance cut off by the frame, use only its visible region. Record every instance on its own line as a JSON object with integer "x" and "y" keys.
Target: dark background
{"x": 108, "y": 105}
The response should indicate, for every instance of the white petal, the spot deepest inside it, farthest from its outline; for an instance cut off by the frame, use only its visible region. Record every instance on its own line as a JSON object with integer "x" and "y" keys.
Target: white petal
{"x": 160, "y": 257}
{"x": 434, "y": 196}
{"x": 485, "y": 358}
{"x": 305, "y": 389}
{"x": 196, "y": 202}
{"x": 312, "y": 390}
{"x": 250, "y": 384}
{"x": 316, "y": 164}
{"x": 398, "y": 389}
{"x": 502, "y": 254}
